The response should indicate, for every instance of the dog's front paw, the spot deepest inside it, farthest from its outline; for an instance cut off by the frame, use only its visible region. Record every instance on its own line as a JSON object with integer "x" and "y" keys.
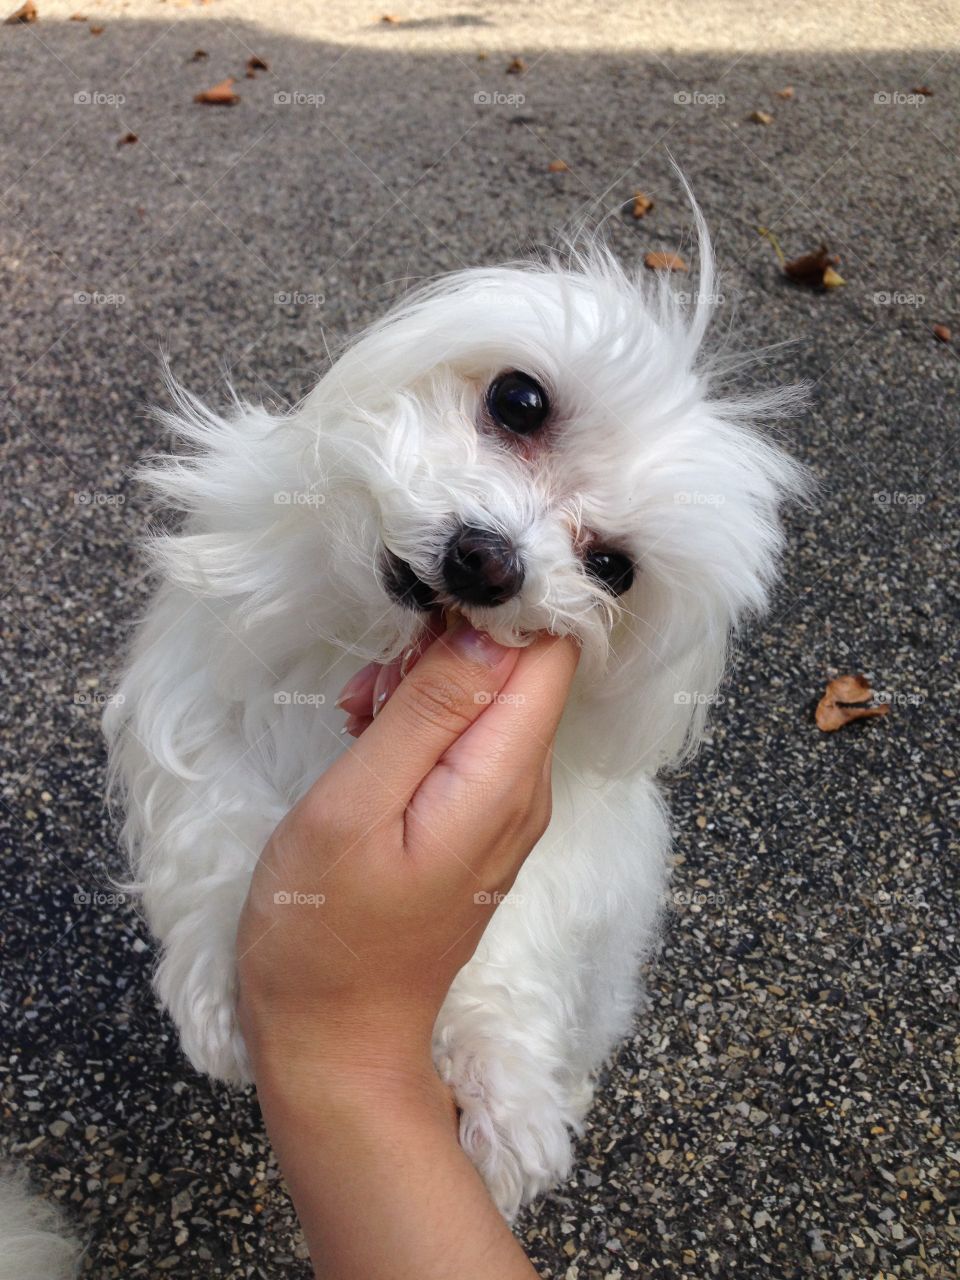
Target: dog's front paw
{"x": 515, "y": 1121}
{"x": 204, "y": 1009}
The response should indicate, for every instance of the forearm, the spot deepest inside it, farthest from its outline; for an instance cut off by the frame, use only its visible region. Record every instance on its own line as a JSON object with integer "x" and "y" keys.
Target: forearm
{"x": 381, "y": 1187}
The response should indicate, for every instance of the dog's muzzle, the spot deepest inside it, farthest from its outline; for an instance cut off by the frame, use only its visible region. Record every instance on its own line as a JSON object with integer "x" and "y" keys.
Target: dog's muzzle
{"x": 482, "y": 567}
{"x": 479, "y": 567}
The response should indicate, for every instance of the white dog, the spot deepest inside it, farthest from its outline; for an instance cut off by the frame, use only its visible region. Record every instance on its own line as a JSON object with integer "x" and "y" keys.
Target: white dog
{"x": 540, "y": 446}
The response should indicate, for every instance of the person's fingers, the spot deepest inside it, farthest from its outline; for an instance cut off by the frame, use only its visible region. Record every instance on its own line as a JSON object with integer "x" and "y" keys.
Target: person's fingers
{"x": 514, "y": 739}
{"x": 453, "y": 684}
{"x": 356, "y": 696}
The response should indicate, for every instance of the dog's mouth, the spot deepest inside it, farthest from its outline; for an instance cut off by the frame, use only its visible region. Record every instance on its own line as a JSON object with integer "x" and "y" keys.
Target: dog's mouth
{"x": 366, "y": 693}
{"x": 402, "y": 584}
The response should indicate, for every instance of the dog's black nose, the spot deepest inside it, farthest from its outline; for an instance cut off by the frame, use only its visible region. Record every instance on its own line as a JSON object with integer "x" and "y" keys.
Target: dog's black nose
{"x": 482, "y": 567}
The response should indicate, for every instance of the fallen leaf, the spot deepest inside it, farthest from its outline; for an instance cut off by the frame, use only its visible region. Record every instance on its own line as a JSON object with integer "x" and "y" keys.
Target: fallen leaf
{"x": 221, "y": 95}
{"x": 558, "y": 166}
{"x": 844, "y": 700}
{"x": 641, "y": 205}
{"x": 127, "y": 139}
{"x": 516, "y": 67}
{"x": 815, "y": 270}
{"x": 200, "y": 55}
{"x": 760, "y": 117}
{"x": 786, "y": 94}
{"x": 810, "y": 268}
{"x": 923, "y": 91}
{"x": 942, "y": 333}
{"x": 96, "y": 31}
{"x": 254, "y": 65}
{"x": 26, "y": 13}
{"x": 664, "y": 262}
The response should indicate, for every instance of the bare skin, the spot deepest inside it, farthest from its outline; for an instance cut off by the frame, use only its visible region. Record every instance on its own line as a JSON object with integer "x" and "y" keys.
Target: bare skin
{"x": 441, "y": 798}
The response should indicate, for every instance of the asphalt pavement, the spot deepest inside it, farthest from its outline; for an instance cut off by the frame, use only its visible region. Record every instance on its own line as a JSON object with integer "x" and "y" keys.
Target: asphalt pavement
{"x": 787, "y": 1103}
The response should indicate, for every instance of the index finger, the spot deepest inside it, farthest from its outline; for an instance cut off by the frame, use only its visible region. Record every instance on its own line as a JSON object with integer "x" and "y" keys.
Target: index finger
{"x": 521, "y": 722}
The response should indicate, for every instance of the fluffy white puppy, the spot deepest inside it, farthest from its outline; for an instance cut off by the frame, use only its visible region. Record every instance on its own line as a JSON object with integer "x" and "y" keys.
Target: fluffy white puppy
{"x": 540, "y": 446}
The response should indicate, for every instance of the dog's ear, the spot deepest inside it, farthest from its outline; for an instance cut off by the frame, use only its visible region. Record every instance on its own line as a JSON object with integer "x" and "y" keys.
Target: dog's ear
{"x": 710, "y": 542}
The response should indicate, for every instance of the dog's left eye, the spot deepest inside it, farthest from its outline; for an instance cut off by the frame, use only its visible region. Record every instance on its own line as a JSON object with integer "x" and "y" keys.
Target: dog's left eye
{"x": 518, "y": 402}
{"x": 610, "y": 568}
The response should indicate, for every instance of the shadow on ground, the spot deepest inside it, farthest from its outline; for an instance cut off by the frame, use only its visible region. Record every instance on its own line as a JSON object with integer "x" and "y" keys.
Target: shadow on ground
{"x": 782, "y": 1107}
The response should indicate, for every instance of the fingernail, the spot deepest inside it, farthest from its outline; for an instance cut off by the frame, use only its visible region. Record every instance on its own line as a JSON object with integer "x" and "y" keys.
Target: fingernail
{"x": 476, "y": 645}
{"x": 358, "y": 684}
{"x": 388, "y": 678}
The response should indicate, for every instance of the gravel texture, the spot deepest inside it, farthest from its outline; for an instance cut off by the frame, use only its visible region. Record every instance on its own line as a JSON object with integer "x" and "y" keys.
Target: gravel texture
{"x": 784, "y": 1108}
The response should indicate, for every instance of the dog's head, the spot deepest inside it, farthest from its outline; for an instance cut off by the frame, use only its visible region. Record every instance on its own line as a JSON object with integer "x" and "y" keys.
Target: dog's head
{"x": 538, "y": 447}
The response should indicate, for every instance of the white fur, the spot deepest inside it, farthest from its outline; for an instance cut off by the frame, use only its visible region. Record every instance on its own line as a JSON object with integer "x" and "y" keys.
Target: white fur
{"x": 33, "y": 1243}
{"x": 260, "y": 597}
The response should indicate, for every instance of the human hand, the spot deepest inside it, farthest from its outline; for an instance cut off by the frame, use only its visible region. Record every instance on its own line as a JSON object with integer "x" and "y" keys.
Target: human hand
{"x": 375, "y": 889}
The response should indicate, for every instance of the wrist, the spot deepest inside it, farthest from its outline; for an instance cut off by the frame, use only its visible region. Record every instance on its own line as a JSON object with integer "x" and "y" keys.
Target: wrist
{"x": 327, "y": 1088}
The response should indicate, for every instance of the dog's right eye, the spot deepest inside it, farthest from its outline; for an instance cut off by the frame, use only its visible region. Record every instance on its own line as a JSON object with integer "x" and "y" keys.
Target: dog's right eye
{"x": 518, "y": 403}
{"x": 611, "y": 569}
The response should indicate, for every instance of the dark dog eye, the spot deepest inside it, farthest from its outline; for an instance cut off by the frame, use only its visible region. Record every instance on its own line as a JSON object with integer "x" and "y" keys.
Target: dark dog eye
{"x": 518, "y": 402}
{"x": 611, "y": 569}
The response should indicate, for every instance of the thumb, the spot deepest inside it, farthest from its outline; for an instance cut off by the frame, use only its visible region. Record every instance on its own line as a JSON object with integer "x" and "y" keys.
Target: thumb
{"x": 449, "y": 688}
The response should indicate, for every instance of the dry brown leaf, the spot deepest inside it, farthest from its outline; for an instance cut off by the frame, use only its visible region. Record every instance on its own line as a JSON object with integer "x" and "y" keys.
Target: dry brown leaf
{"x": 516, "y": 67}
{"x": 843, "y": 701}
{"x": 558, "y": 166}
{"x": 811, "y": 268}
{"x": 254, "y": 65}
{"x": 200, "y": 55}
{"x": 923, "y": 91}
{"x": 221, "y": 95}
{"x": 760, "y": 117}
{"x": 786, "y": 93}
{"x": 26, "y": 13}
{"x": 127, "y": 139}
{"x": 664, "y": 262}
{"x": 942, "y": 333}
{"x": 641, "y": 204}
